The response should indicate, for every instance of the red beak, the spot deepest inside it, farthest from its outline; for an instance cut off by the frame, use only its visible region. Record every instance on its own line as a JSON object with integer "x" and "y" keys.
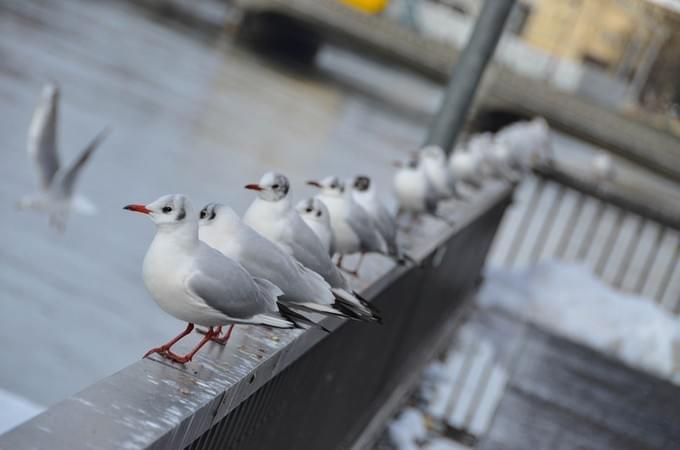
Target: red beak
{"x": 314, "y": 183}
{"x": 254, "y": 187}
{"x": 138, "y": 208}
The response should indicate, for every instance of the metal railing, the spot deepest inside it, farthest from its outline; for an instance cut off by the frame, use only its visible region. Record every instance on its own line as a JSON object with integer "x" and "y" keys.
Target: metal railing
{"x": 630, "y": 238}
{"x": 282, "y": 389}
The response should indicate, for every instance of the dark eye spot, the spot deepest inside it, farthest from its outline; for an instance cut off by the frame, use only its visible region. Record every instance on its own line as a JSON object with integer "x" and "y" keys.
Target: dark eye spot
{"x": 333, "y": 186}
{"x": 166, "y": 209}
{"x": 309, "y": 210}
{"x": 275, "y": 186}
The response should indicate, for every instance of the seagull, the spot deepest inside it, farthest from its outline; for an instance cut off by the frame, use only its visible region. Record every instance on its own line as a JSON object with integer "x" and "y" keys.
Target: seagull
{"x": 364, "y": 193}
{"x": 494, "y": 156}
{"x": 466, "y": 166}
{"x": 415, "y": 194}
{"x": 272, "y": 215}
{"x": 603, "y": 168}
{"x": 196, "y": 283}
{"x": 56, "y": 183}
{"x": 354, "y": 230}
{"x": 433, "y": 160}
{"x": 528, "y": 143}
{"x": 316, "y": 216}
{"x": 221, "y": 228}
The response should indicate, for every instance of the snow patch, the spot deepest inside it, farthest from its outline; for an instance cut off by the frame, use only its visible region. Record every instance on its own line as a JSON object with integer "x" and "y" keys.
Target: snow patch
{"x": 15, "y": 410}
{"x": 407, "y": 429}
{"x": 568, "y": 298}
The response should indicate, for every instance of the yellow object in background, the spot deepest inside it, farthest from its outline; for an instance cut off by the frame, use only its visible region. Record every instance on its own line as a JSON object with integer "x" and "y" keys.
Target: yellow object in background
{"x": 367, "y": 6}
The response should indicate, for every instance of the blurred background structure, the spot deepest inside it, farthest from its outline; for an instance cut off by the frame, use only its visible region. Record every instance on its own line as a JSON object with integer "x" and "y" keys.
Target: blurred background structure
{"x": 203, "y": 96}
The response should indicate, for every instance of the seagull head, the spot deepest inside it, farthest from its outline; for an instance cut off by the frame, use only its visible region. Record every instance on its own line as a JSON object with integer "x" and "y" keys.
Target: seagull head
{"x": 169, "y": 210}
{"x": 332, "y": 186}
{"x": 272, "y": 187}
{"x": 216, "y": 214}
{"x": 433, "y": 153}
{"x": 313, "y": 209}
{"x": 361, "y": 183}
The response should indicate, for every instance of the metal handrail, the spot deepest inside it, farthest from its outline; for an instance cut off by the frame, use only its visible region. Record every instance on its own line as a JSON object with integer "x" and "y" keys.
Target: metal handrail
{"x": 228, "y": 394}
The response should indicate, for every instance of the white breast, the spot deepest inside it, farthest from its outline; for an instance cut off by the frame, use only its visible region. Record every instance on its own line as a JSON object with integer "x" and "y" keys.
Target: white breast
{"x": 345, "y": 239}
{"x": 165, "y": 271}
{"x": 410, "y": 188}
{"x": 322, "y": 231}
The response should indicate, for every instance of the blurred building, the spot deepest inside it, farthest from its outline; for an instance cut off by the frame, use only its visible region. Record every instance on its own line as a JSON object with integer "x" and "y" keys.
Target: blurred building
{"x": 632, "y": 40}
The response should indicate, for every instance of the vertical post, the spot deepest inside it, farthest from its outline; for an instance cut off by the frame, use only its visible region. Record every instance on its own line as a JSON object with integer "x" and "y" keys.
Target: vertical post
{"x": 468, "y": 71}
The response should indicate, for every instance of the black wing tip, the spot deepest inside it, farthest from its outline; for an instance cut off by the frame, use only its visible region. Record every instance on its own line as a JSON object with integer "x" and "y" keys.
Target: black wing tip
{"x": 297, "y": 319}
{"x": 348, "y": 309}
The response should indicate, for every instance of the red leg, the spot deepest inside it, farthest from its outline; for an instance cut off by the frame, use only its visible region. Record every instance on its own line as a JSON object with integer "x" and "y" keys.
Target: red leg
{"x": 339, "y": 263}
{"x": 355, "y": 272}
{"x": 186, "y": 358}
{"x": 223, "y": 340}
{"x": 166, "y": 347}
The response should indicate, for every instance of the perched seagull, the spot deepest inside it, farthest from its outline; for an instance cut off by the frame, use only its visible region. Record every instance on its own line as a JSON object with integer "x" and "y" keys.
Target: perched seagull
{"x": 433, "y": 160}
{"x": 364, "y": 193}
{"x": 56, "y": 183}
{"x": 316, "y": 216}
{"x": 415, "y": 194}
{"x": 495, "y": 156}
{"x": 466, "y": 166}
{"x": 272, "y": 215}
{"x": 603, "y": 168}
{"x": 222, "y": 229}
{"x": 196, "y": 283}
{"x": 528, "y": 143}
{"x": 354, "y": 231}
{"x": 479, "y": 145}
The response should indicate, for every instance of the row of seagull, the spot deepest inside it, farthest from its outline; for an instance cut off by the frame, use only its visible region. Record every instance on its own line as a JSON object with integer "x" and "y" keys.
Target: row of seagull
{"x": 275, "y": 265}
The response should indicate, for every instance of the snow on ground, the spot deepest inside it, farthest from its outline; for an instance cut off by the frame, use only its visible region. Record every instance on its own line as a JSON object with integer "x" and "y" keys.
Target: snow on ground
{"x": 15, "y": 410}
{"x": 408, "y": 429}
{"x": 569, "y": 299}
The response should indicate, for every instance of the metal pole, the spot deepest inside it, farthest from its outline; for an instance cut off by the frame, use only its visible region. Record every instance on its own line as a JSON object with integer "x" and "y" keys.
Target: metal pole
{"x": 468, "y": 71}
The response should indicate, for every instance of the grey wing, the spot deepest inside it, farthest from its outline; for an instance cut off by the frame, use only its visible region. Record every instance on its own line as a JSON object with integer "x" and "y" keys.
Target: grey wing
{"x": 262, "y": 258}
{"x": 310, "y": 252}
{"x": 387, "y": 226}
{"x": 331, "y": 247}
{"x": 431, "y": 199}
{"x": 364, "y": 226}
{"x": 68, "y": 177}
{"x": 226, "y": 286}
{"x": 451, "y": 180}
{"x": 42, "y": 140}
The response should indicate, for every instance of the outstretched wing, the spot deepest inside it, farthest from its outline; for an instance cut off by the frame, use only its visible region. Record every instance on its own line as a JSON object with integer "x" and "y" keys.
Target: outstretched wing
{"x": 226, "y": 286}
{"x": 67, "y": 178}
{"x": 42, "y": 136}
